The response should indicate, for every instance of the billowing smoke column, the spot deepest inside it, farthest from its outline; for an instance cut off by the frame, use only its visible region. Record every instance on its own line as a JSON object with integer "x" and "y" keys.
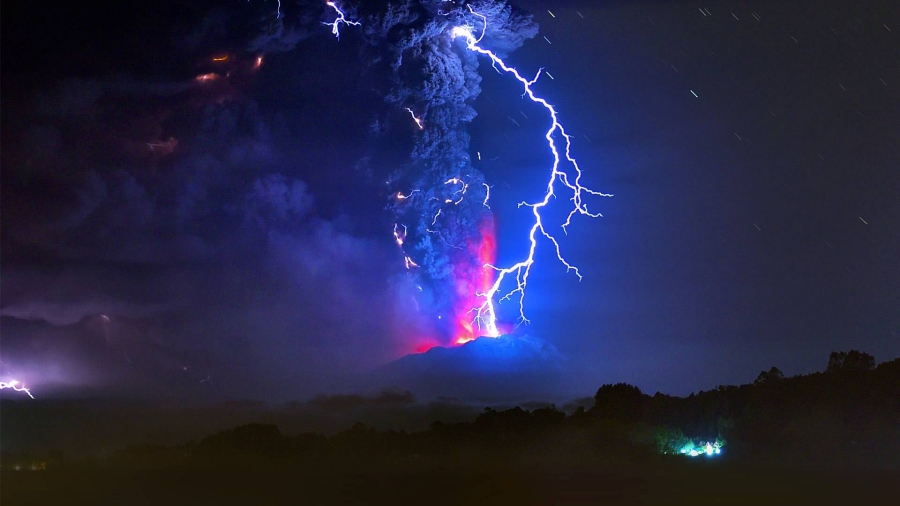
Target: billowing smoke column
{"x": 444, "y": 225}
{"x": 439, "y": 200}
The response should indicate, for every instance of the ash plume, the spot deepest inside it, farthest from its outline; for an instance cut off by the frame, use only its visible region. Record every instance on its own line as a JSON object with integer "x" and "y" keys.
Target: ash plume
{"x": 439, "y": 198}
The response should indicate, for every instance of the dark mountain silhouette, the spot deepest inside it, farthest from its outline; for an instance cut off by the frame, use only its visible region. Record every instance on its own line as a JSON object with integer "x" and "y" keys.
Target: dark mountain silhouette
{"x": 506, "y": 368}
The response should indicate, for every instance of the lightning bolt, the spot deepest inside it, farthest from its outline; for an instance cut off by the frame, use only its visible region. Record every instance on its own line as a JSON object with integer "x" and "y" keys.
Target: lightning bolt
{"x": 342, "y": 18}
{"x": 401, "y": 196}
{"x": 400, "y": 238}
{"x": 486, "y": 315}
{"x": 13, "y": 384}
{"x": 417, "y": 119}
{"x": 487, "y": 194}
{"x": 461, "y": 192}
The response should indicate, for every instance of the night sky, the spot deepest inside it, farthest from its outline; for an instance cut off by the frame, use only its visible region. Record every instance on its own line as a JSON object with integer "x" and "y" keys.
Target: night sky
{"x": 164, "y": 235}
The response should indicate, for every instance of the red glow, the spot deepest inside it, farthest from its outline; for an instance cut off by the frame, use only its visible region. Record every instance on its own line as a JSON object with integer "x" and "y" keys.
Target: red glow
{"x": 474, "y": 281}
{"x": 425, "y": 346}
{"x": 472, "y": 278}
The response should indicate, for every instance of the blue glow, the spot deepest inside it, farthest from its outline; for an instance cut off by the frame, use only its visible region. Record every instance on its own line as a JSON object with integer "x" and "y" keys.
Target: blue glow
{"x": 706, "y": 448}
{"x": 485, "y": 315}
{"x": 342, "y": 18}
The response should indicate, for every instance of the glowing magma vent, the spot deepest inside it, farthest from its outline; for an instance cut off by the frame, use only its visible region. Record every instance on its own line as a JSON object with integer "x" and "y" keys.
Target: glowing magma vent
{"x": 471, "y": 283}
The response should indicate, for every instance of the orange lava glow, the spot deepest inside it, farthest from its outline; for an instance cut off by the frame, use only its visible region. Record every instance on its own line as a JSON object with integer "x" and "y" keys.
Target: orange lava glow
{"x": 221, "y": 58}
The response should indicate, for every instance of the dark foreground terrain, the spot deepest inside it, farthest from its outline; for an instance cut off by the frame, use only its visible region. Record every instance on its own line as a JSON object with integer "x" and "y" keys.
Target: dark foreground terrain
{"x": 826, "y": 438}
{"x": 670, "y": 483}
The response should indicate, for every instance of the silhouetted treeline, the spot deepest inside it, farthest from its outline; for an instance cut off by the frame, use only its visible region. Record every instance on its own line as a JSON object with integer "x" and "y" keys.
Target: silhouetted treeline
{"x": 849, "y": 414}
{"x": 852, "y": 408}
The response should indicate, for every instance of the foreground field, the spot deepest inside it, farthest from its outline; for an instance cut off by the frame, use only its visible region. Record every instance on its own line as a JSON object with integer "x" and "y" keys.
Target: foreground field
{"x": 670, "y": 483}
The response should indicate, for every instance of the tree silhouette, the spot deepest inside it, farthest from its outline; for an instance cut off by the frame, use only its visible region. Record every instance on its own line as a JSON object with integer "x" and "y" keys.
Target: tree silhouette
{"x": 851, "y": 410}
{"x": 768, "y": 377}
{"x": 846, "y": 361}
{"x": 622, "y": 401}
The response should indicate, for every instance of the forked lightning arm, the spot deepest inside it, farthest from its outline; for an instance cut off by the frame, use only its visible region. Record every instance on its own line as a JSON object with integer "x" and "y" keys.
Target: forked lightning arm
{"x": 485, "y": 315}
{"x": 342, "y": 18}
{"x": 13, "y": 384}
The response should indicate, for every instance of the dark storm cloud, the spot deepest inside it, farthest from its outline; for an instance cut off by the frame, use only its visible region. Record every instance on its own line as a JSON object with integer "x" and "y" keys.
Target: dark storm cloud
{"x": 77, "y": 97}
{"x": 255, "y": 27}
{"x": 275, "y": 198}
{"x": 170, "y": 207}
{"x": 167, "y": 206}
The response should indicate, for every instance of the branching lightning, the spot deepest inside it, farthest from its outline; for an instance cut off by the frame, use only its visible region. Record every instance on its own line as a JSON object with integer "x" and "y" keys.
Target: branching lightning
{"x": 461, "y": 192}
{"x": 485, "y": 315}
{"x": 342, "y": 18}
{"x": 564, "y": 170}
{"x": 13, "y": 384}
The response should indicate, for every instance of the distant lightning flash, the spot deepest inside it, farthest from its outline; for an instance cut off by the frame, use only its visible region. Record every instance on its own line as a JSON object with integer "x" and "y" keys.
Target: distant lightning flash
{"x": 13, "y": 384}
{"x": 203, "y": 78}
{"x": 485, "y": 315}
{"x": 342, "y": 18}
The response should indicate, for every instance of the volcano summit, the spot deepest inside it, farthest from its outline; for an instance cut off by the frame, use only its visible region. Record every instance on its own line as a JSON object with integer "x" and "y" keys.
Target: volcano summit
{"x": 506, "y": 368}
